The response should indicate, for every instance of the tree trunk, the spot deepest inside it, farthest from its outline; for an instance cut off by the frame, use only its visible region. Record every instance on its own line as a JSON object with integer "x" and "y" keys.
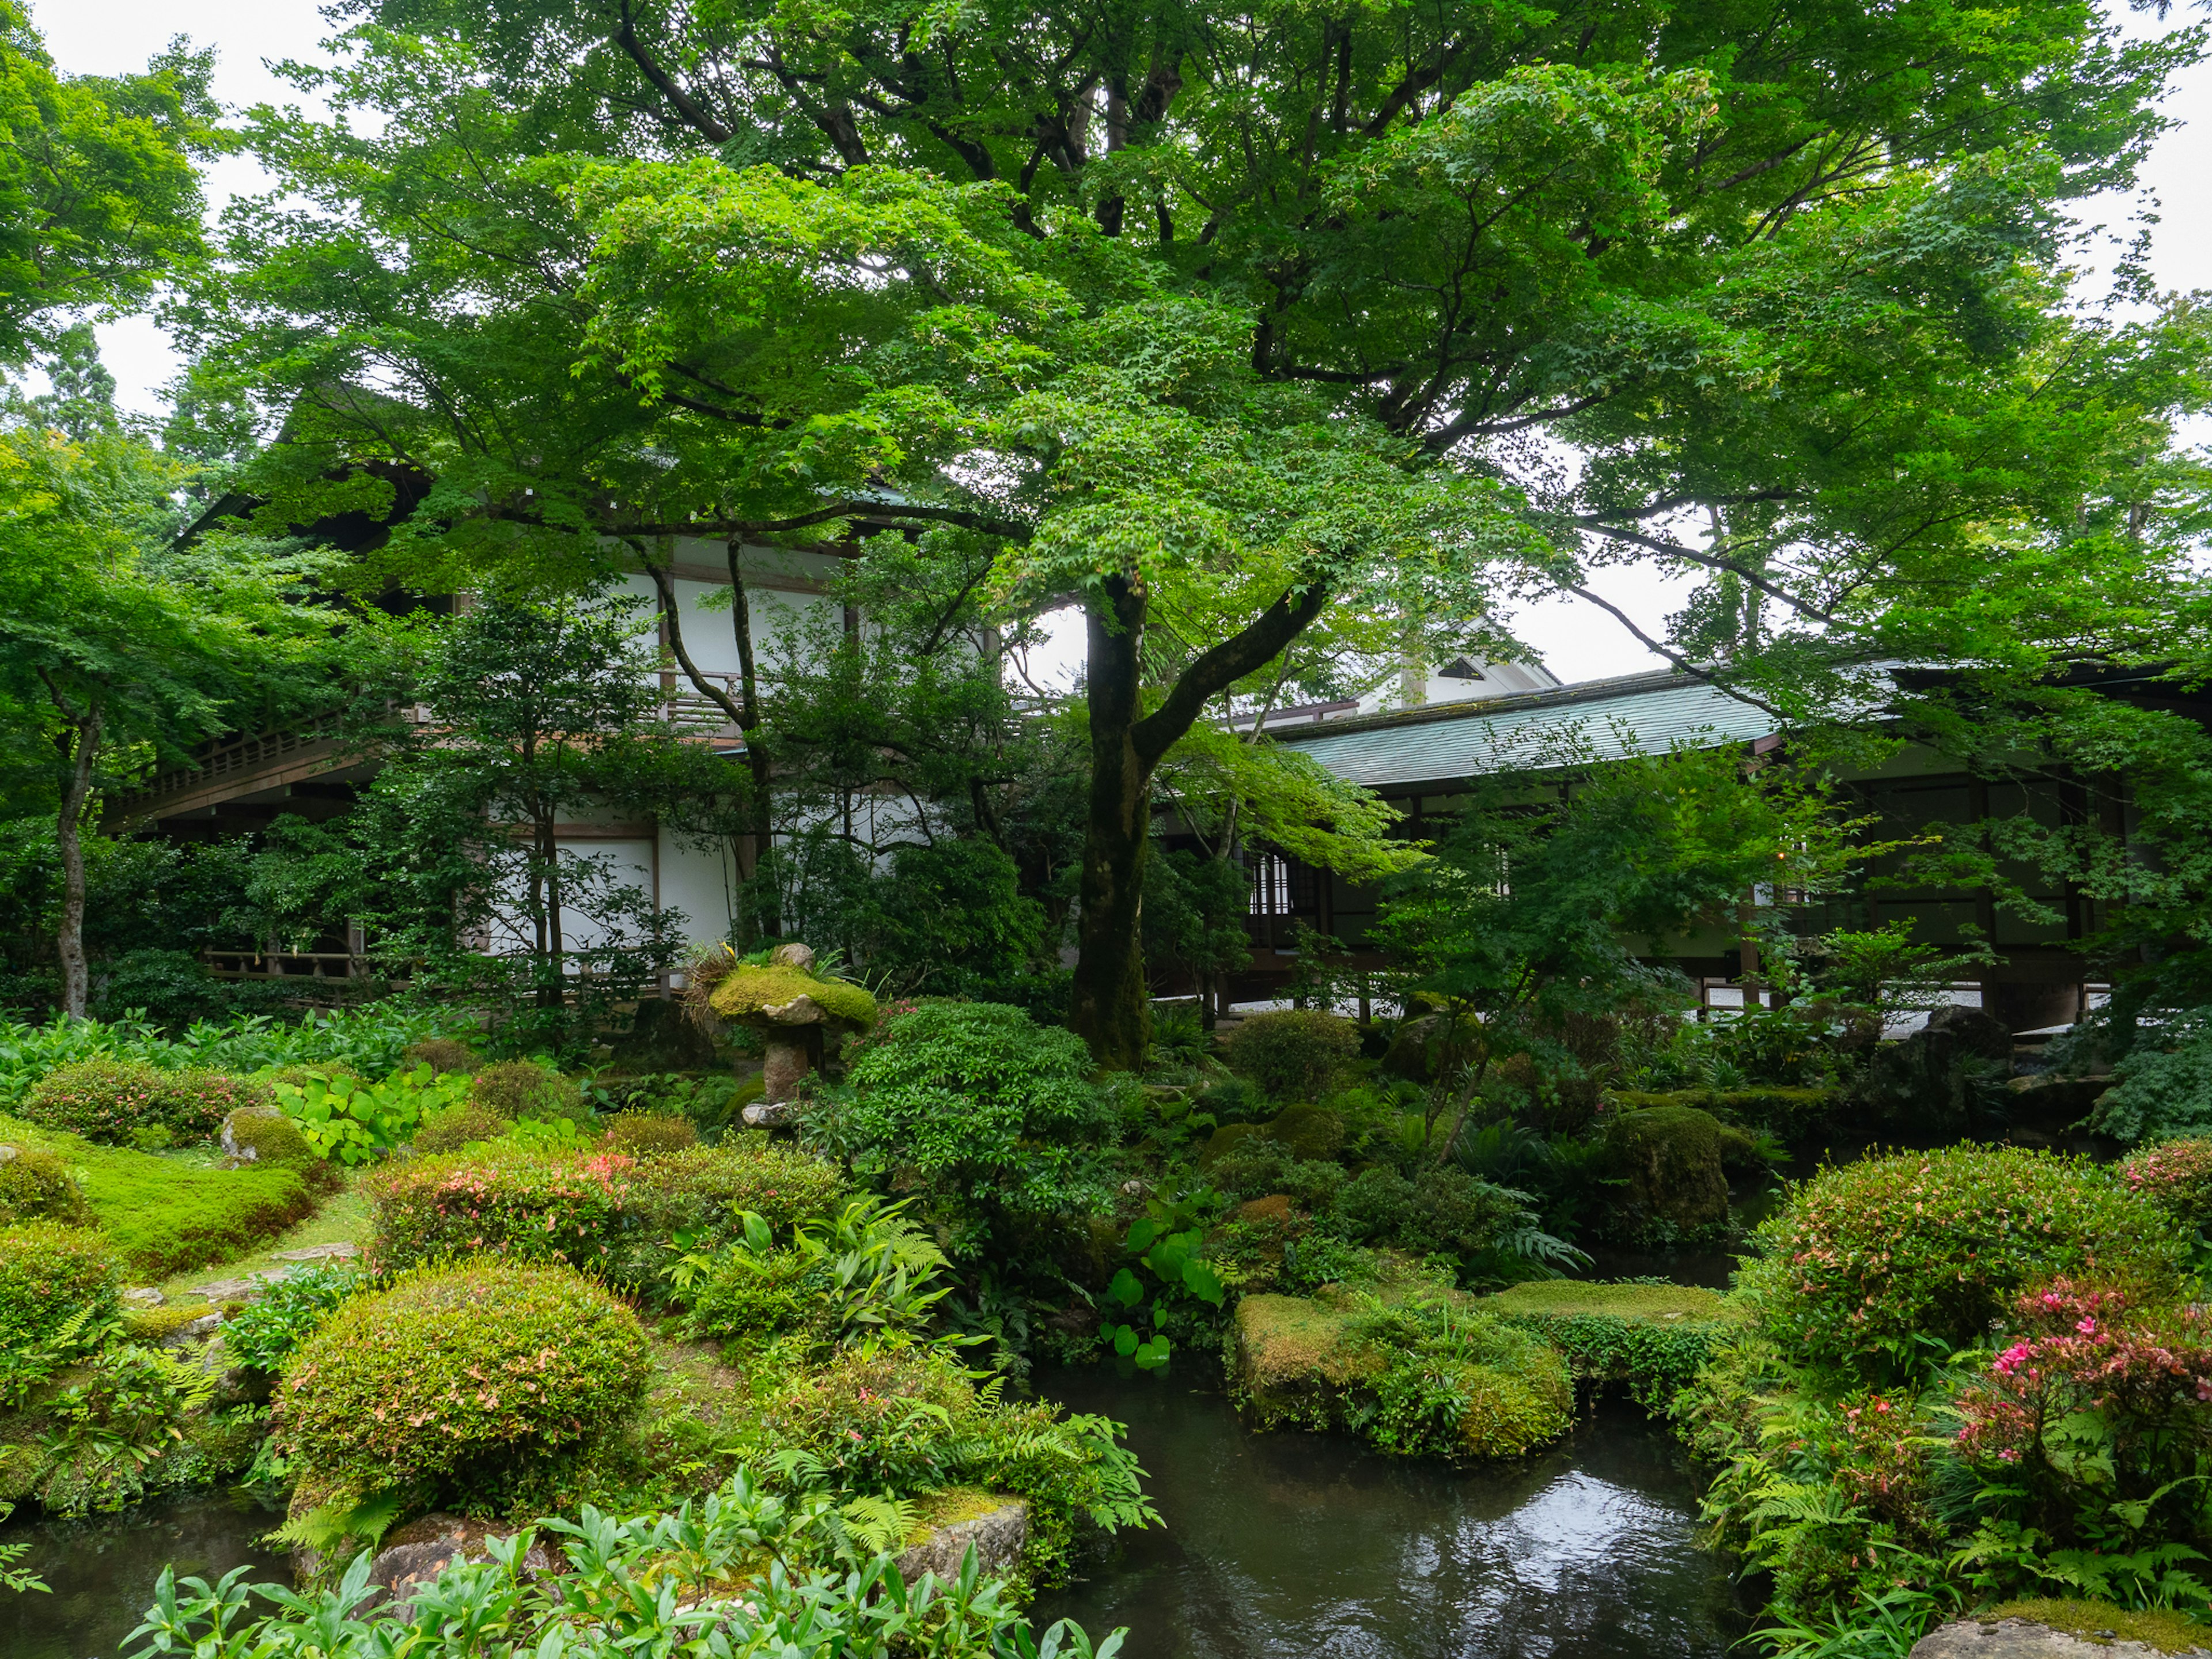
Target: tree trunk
{"x": 1111, "y": 1011}
{"x": 83, "y": 745}
{"x": 553, "y": 988}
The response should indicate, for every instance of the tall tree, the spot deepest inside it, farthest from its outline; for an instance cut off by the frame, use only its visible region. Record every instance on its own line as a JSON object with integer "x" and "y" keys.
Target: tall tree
{"x": 1219, "y": 322}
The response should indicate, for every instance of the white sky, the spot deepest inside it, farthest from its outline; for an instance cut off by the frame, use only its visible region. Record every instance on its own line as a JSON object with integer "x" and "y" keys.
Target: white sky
{"x": 1576, "y": 641}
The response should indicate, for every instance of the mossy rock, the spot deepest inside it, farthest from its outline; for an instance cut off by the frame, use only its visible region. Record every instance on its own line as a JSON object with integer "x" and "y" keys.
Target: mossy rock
{"x": 1294, "y": 1360}
{"x": 747, "y": 993}
{"x": 1669, "y": 1157}
{"x": 157, "y": 1325}
{"x": 1309, "y": 1132}
{"x": 2104, "y": 1623}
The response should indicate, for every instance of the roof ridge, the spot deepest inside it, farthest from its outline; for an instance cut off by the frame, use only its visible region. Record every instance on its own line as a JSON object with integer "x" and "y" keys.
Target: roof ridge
{"x": 1481, "y": 708}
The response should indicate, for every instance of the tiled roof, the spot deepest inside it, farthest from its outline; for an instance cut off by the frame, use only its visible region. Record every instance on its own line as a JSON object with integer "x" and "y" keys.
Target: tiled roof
{"x": 1599, "y": 720}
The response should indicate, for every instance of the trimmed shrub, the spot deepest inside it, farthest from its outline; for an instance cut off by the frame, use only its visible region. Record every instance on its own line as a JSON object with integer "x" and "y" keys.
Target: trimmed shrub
{"x": 977, "y": 1100}
{"x": 36, "y": 1186}
{"x": 604, "y": 1212}
{"x": 441, "y": 1055}
{"x": 267, "y": 1138}
{"x": 1253, "y": 1164}
{"x": 649, "y": 1134}
{"x": 49, "y": 1274}
{"x": 2177, "y": 1178}
{"x": 1887, "y": 1266}
{"x": 456, "y": 1126}
{"x": 1441, "y": 1212}
{"x": 463, "y": 1375}
{"x": 525, "y": 1088}
{"x": 1294, "y": 1053}
{"x": 268, "y": 1330}
{"x": 114, "y": 1102}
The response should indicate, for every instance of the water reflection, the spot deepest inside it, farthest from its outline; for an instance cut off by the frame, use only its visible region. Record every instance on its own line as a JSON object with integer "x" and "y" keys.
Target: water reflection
{"x": 103, "y": 1569}
{"x": 1310, "y": 1545}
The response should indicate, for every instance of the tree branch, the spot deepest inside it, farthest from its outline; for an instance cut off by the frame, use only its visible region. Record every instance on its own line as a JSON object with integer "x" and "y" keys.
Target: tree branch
{"x": 1681, "y": 662}
{"x": 1240, "y": 654}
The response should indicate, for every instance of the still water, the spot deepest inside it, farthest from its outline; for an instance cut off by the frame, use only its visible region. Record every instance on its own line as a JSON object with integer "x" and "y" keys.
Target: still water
{"x": 103, "y": 1569}
{"x": 1305, "y": 1546}
{"x": 1311, "y": 1547}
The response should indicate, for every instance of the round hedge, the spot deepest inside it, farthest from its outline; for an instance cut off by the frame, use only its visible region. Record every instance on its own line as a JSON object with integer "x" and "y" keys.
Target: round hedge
{"x": 524, "y": 1088}
{"x": 49, "y": 1274}
{"x": 37, "y": 1186}
{"x": 456, "y": 1126}
{"x": 110, "y": 1101}
{"x": 1294, "y": 1053}
{"x": 441, "y": 1055}
{"x": 458, "y": 1366}
{"x": 1889, "y": 1264}
{"x": 2176, "y": 1176}
{"x": 649, "y": 1134}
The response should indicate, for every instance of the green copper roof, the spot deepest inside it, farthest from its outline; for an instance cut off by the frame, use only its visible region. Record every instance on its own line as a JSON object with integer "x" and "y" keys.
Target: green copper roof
{"x": 1599, "y": 720}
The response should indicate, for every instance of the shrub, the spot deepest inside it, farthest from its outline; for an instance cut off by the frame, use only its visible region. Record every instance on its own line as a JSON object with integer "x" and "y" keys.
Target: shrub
{"x": 2177, "y": 1178}
{"x": 1294, "y": 1053}
{"x": 267, "y": 1138}
{"x": 461, "y": 1375}
{"x": 266, "y": 1331}
{"x": 1888, "y": 1265}
{"x": 452, "y": 1127}
{"x": 526, "y": 1088}
{"x": 36, "y": 1186}
{"x": 1441, "y": 1212}
{"x": 110, "y": 1100}
{"x": 649, "y": 1134}
{"x": 441, "y": 1055}
{"x": 511, "y": 1201}
{"x": 1654, "y": 1337}
{"x": 1257, "y": 1165}
{"x": 705, "y": 1190}
{"x": 2159, "y": 1092}
{"x": 977, "y": 1100}
{"x": 50, "y": 1275}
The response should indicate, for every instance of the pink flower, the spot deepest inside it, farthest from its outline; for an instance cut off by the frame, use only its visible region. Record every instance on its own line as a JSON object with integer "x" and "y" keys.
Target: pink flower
{"x": 2007, "y": 1455}
{"x": 2087, "y": 1326}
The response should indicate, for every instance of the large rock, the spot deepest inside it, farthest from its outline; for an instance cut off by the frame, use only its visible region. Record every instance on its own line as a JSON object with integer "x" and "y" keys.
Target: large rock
{"x": 1670, "y": 1159}
{"x": 2018, "y": 1638}
{"x": 415, "y": 1554}
{"x": 997, "y": 1526}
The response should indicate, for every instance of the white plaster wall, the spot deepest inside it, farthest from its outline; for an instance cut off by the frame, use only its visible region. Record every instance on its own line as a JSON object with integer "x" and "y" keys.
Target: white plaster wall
{"x": 700, "y": 879}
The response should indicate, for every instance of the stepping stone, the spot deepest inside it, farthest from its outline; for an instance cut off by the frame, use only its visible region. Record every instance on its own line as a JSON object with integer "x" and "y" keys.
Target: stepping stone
{"x": 321, "y": 1253}
{"x": 145, "y": 1296}
{"x": 236, "y": 1290}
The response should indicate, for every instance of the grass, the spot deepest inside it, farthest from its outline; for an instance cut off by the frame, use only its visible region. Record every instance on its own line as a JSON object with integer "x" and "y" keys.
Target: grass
{"x": 168, "y": 1214}
{"x": 1570, "y": 1299}
{"x": 343, "y": 1220}
{"x": 2167, "y": 1632}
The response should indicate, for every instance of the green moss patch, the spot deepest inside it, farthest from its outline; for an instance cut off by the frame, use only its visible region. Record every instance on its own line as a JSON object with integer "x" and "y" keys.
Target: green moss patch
{"x": 1564, "y": 1298}
{"x": 1784, "y": 1113}
{"x": 939, "y": 1510}
{"x": 2101, "y": 1621}
{"x": 168, "y": 1214}
{"x": 745, "y": 993}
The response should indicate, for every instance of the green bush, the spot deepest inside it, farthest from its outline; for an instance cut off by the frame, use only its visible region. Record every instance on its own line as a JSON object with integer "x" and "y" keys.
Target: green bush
{"x": 265, "y": 1333}
{"x": 1440, "y": 1212}
{"x": 976, "y": 1101}
{"x": 452, "y": 1127}
{"x": 2159, "y": 1093}
{"x": 352, "y": 1122}
{"x": 1888, "y": 1265}
{"x": 528, "y": 1089}
{"x": 2177, "y": 1178}
{"x": 1294, "y": 1053}
{"x": 36, "y": 1186}
{"x": 51, "y": 1274}
{"x": 461, "y": 1375}
{"x": 602, "y": 1211}
{"x": 1253, "y": 1164}
{"x": 112, "y": 1101}
{"x": 441, "y": 1055}
{"x": 267, "y": 1138}
{"x": 649, "y": 1134}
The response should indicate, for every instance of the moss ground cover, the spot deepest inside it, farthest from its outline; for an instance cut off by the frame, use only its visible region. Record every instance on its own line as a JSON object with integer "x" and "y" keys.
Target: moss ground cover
{"x": 166, "y": 1214}
{"x": 1651, "y": 1338}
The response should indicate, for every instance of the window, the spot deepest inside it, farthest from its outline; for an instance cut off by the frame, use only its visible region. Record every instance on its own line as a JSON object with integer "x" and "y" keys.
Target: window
{"x": 1281, "y": 887}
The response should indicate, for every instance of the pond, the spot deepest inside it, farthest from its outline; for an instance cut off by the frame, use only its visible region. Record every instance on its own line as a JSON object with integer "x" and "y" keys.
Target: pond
{"x": 1304, "y": 1544}
{"x": 103, "y": 1569}
{"x": 1275, "y": 1545}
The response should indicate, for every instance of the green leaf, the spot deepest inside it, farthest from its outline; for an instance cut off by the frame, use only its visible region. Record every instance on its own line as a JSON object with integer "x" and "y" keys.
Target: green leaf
{"x": 1125, "y": 1288}
{"x": 1125, "y": 1341}
{"x": 1201, "y": 1281}
{"x": 1142, "y": 1233}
